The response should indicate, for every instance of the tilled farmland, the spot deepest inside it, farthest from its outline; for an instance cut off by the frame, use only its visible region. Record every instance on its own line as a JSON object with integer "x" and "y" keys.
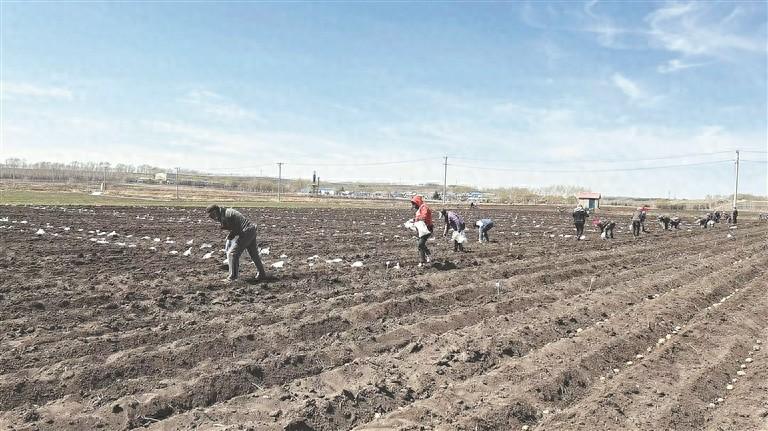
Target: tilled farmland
{"x": 119, "y": 318}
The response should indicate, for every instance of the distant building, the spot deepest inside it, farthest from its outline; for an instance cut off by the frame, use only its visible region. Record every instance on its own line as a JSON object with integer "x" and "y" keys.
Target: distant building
{"x": 475, "y": 196}
{"x": 161, "y": 177}
{"x": 589, "y": 200}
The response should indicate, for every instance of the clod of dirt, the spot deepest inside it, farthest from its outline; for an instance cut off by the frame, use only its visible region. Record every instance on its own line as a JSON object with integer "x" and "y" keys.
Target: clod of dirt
{"x": 117, "y": 409}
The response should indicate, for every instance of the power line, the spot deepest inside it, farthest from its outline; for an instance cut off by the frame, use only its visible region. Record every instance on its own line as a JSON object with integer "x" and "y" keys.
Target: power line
{"x": 643, "y": 168}
{"x": 679, "y": 156}
{"x": 353, "y": 164}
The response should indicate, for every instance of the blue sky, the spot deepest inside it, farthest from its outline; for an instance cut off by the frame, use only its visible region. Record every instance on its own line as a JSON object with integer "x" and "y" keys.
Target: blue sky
{"x": 516, "y": 94}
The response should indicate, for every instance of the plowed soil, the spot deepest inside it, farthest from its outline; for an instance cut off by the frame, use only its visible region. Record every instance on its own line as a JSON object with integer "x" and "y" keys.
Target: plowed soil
{"x": 103, "y": 327}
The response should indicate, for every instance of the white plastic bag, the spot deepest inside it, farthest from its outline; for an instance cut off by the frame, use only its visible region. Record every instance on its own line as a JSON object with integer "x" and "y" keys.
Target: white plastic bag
{"x": 459, "y": 237}
{"x": 421, "y": 228}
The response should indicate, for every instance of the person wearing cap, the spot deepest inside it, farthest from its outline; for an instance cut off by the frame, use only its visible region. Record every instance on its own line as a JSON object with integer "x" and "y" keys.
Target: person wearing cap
{"x": 637, "y": 218}
{"x": 454, "y": 222}
{"x": 423, "y": 213}
{"x": 483, "y": 226}
{"x": 579, "y": 218}
{"x": 241, "y": 237}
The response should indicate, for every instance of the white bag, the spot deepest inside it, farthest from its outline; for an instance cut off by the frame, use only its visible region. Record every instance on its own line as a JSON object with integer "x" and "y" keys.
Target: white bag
{"x": 459, "y": 237}
{"x": 602, "y": 235}
{"x": 421, "y": 228}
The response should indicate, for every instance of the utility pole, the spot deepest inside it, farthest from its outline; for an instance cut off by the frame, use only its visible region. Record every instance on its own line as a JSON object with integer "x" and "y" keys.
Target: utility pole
{"x": 104, "y": 187}
{"x": 279, "y": 178}
{"x": 445, "y": 178}
{"x": 736, "y": 191}
{"x": 177, "y": 183}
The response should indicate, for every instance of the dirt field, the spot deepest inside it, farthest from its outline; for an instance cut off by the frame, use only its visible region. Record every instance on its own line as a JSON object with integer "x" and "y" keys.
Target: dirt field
{"x": 534, "y": 330}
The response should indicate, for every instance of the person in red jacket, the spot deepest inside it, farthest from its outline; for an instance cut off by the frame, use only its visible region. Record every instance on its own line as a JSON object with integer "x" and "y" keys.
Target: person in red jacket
{"x": 423, "y": 213}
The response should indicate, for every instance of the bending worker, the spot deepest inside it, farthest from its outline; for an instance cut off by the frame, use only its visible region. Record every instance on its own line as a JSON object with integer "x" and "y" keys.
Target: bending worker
{"x": 241, "y": 237}
{"x": 483, "y": 226}
{"x": 456, "y": 223}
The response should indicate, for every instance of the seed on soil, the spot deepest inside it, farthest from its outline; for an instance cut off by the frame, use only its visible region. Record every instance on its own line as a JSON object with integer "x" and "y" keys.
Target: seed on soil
{"x": 720, "y": 400}
{"x": 755, "y": 347}
{"x": 748, "y": 360}
{"x": 729, "y": 387}
{"x": 630, "y": 362}
{"x": 741, "y": 373}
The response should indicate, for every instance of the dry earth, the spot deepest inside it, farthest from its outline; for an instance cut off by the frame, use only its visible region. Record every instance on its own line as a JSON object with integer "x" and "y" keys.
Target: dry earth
{"x": 103, "y": 330}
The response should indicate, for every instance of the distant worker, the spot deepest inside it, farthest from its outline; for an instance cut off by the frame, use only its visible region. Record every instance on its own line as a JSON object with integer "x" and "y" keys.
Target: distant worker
{"x": 717, "y": 216}
{"x": 241, "y": 237}
{"x": 579, "y": 218}
{"x": 456, "y": 223}
{"x": 664, "y": 221}
{"x": 423, "y": 213}
{"x": 734, "y": 215}
{"x": 674, "y": 222}
{"x": 483, "y": 226}
{"x": 472, "y": 205}
{"x": 643, "y": 215}
{"x": 606, "y": 228}
{"x": 636, "y": 221}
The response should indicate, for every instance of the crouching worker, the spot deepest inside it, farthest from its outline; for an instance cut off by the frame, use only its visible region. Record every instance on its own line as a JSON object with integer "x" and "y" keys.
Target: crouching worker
{"x": 483, "y": 226}
{"x": 606, "y": 229}
{"x": 454, "y": 222}
{"x": 674, "y": 222}
{"x": 241, "y": 237}
{"x": 423, "y": 213}
{"x": 664, "y": 221}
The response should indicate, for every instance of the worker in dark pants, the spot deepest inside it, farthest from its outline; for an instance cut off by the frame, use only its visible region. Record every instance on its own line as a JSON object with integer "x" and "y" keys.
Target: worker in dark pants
{"x": 606, "y": 227}
{"x": 664, "y": 221}
{"x": 636, "y": 220}
{"x": 643, "y": 215}
{"x": 423, "y": 213}
{"x": 456, "y": 223}
{"x": 674, "y": 222}
{"x": 734, "y": 215}
{"x": 241, "y": 237}
{"x": 579, "y": 218}
{"x": 483, "y": 226}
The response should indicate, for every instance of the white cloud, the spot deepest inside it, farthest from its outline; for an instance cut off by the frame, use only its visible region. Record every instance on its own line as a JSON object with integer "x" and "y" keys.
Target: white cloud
{"x": 701, "y": 29}
{"x": 676, "y": 65}
{"x": 628, "y": 87}
{"x": 218, "y": 106}
{"x": 18, "y": 90}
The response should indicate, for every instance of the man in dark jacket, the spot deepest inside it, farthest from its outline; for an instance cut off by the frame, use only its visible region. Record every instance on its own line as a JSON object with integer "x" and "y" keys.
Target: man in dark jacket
{"x": 579, "y": 218}
{"x": 734, "y": 214}
{"x": 241, "y": 237}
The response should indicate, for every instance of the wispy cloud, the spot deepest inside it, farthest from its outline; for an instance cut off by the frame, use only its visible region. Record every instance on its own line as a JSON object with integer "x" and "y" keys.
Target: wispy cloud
{"x": 676, "y": 65}
{"x": 695, "y": 29}
{"x": 628, "y": 87}
{"x": 21, "y": 90}
{"x": 217, "y": 105}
